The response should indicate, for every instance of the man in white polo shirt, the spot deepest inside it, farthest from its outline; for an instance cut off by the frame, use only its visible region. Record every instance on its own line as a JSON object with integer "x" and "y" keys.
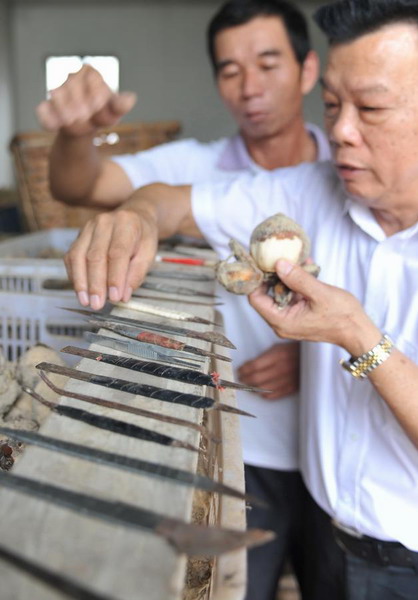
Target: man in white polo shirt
{"x": 263, "y": 64}
{"x": 359, "y": 424}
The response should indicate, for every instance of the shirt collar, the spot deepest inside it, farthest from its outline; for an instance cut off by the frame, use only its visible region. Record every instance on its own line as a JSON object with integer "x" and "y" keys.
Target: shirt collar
{"x": 235, "y": 157}
{"x": 364, "y": 218}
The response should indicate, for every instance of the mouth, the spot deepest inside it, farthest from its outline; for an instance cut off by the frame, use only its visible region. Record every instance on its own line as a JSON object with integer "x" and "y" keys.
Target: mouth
{"x": 255, "y": 115}
{"x": 348, "y": 171}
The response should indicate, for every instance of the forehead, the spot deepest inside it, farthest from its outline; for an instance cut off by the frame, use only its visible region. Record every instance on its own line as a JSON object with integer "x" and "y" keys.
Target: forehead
{"x": 385, "y": 59}
{"x": 252, "y": 38}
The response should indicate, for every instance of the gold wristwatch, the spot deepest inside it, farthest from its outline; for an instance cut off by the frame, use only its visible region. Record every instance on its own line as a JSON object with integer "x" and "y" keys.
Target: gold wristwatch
{"x": 361, "y": 366}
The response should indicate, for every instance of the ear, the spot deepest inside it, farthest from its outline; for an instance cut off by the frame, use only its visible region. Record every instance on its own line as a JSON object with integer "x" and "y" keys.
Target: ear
{"x": 310, "y": 72}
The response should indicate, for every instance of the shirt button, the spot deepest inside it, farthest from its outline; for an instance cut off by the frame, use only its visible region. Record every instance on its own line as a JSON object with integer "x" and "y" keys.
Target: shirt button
{"x": 354, "y": 437}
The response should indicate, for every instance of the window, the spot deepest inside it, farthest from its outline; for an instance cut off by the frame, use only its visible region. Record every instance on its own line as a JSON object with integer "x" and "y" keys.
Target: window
{"x": 59, "y": 67}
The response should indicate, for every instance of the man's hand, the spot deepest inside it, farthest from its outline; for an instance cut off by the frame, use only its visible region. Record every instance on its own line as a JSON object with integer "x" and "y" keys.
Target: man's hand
{"x": 277, "y": 369}
{"x": 323, "y": 313}
{"x": 82, "y": 104}
{"x": 111, "y": 256}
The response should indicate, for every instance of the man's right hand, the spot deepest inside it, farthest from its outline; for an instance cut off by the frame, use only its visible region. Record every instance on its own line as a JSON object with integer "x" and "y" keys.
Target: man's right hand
{"x": 111, "y": 256}
{"x": 82, "y": 104}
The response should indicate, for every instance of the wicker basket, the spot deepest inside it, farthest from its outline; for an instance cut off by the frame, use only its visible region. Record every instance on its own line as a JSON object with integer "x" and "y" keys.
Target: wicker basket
{"x": 31, "y": 151}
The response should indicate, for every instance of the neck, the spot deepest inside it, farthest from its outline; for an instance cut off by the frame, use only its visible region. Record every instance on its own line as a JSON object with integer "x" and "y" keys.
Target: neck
{"x": 394, "y": 221}
{"x": 284, "y": 149}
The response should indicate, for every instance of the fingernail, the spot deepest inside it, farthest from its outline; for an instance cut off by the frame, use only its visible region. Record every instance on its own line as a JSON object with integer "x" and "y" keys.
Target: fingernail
{"x": 114, "y": 294}
{"x": 83, "y": 298}
{"x": 127, "y": 294}
{"x": 95, "y": 302}
{"x": 284, "y": 267}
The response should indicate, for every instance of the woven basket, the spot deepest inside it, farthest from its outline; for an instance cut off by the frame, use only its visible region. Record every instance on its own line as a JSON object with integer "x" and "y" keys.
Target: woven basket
{"x": 31, "y": 152}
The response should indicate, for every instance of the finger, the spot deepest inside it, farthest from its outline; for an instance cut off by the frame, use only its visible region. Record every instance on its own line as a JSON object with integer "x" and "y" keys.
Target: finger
{"x": 140, "y": 265}
{"x": 124, "y": 245}
{"x": 278, "y": 355}
{"x": 263, "y": 303}
{"x": 122, "y": 103}
{"x": 298, "y": 280}
{"x": 283, "y": 392}
{"x": 47, "y": 116}
{"x": 271, "y": 380}
{"x": 96, "y": 258}
{"x": 75, "y": 263}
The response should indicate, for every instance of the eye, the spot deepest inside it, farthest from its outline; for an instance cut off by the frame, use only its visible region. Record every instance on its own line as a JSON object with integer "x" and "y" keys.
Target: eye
{"x": 228, "y": 72}
{"x": 330, "y": 108}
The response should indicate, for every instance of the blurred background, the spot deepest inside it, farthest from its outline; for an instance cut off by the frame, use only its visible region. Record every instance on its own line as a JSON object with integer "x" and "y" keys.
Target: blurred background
{"x": 156, "y": 48}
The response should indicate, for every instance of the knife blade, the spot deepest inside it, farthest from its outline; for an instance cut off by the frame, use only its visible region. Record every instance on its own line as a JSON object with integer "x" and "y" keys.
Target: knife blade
{"x": 181, "y": 274}
{"x": 110, "y": 424}
{"x": 160, "y": 311}
{"x": 56, "y": 581}
{"x": 140, "y": 389}
{"x": 207, "y": 336}
{"x": 157, "y": 370}
{"x": 156, "y": 339}
{"x": 133, "y": 465}
{"x": 174, "y": 289}
{"x": 188, "y": 538}
{"x": 146, "y": 296}
{"x": 133, "y": 410}
{"x": 148, "y": 351}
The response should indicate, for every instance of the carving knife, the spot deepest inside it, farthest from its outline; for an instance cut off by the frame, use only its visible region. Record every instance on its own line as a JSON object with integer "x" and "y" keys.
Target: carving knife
{"x": 194, "y": 540}
{"x": 148, "y": 337}
{"x": 160, "y": 311}
{"x": 174, "y": 289}
{"x": 56, "y": 581}
{"x": 207, "y": 336}
{"x": 149, "y": 351}
{"x": 109, "y": 424}
{"x": 133, "y": 410}
{"x": 153, "y": 368}
{"x": 141, "y": 389}
{"x": 133, "y": 465}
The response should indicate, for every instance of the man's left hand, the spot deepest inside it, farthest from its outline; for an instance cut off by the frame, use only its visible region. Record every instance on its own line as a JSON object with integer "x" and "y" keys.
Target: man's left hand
{"x": 277, "y": 369}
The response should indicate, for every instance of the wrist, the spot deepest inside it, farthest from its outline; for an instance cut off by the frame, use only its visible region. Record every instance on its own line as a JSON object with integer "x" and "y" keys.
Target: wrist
{"x": 361, "y": 366}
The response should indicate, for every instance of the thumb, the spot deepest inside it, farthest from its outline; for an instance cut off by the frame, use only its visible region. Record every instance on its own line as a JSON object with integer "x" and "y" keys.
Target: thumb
{"x": 297, "y": 279}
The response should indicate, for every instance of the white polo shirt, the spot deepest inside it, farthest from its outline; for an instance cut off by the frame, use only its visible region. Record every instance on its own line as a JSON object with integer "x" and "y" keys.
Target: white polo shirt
{"x": 270, "y": 440}
{"x": 358, "y": 463}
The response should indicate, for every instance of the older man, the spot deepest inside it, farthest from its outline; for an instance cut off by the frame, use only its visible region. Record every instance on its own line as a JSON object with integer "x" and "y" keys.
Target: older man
{"x": 359, "y": 423}
{"x": 263, "y": 65}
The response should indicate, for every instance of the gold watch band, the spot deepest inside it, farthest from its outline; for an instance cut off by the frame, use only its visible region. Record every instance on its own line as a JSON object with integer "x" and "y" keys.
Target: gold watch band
{"x": 361, "y": 366}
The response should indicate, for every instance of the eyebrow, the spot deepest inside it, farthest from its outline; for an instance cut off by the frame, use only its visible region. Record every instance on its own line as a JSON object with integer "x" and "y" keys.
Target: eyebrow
{"x": 368, "y": 89}
{"x": 266, "y": 53}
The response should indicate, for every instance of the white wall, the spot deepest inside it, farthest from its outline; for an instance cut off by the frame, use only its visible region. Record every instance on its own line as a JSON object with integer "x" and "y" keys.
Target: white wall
{"x": 6, "y": 112}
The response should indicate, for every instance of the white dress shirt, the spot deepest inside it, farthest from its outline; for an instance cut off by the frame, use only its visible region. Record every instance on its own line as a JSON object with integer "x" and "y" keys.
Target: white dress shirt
{"x": 357, "y": 462}
{"x": 270, "y": 440}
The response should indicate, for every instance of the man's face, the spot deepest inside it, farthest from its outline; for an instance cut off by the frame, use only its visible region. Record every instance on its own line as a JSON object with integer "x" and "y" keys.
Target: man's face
{"x": 259, "y": 78}
{"x": 371, "y": 114}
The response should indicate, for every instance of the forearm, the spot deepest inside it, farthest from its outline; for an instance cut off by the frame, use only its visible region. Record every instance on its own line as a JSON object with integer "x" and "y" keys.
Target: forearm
{"x": 396, "y": 381}
{"x": 168, "y": 207}
{"x": 74, "y": 168}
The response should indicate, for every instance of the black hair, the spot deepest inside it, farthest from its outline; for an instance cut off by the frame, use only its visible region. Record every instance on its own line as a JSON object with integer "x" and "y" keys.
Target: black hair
{"x": 346, "y": 20}
{"x": 239, "y": 12}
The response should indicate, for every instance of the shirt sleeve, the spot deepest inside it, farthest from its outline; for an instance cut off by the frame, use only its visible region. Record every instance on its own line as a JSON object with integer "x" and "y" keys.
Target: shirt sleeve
{"x": 232, "y": 209}
{"x": 167, "y": 163}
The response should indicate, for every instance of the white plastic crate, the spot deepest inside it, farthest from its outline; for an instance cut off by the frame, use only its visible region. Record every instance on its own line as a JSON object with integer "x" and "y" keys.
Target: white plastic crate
{"x": 22, "y": 269}
{"x": 26, "y": 319}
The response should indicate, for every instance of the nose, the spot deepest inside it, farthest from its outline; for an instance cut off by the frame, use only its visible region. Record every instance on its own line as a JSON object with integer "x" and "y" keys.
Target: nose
{"x": 343, "y": 127}
{"x": 251, "y": 83}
